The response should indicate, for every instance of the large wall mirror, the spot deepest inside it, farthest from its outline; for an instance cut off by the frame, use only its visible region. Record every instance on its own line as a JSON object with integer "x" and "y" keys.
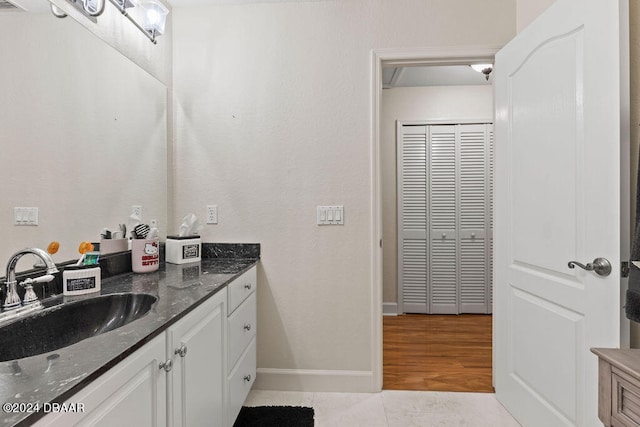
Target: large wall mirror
{"x": 82, "y": 135}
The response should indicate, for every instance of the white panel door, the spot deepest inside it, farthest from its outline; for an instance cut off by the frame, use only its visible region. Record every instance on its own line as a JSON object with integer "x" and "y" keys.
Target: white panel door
{"x": 557, "y": 199}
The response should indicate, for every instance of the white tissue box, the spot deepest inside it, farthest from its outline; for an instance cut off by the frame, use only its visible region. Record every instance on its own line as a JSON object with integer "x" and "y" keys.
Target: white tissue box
{"x": 181, "y": 250}
{"x": 80, "y": 280}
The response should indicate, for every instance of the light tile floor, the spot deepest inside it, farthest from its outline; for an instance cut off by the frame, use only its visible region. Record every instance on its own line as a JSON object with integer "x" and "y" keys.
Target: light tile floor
{"x": 392, "y": 408}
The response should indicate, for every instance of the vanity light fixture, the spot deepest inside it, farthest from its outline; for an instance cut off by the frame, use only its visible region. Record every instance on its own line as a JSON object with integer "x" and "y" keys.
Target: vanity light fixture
{"x": 483, "y": 68}
{"x": 154, "y": 16}
{"x": 93, "y": 7}
{"x": 153, "y": 13}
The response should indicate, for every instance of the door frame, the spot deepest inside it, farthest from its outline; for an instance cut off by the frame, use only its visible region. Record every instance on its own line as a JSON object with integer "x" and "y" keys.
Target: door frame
{"x": 461, "y": 55}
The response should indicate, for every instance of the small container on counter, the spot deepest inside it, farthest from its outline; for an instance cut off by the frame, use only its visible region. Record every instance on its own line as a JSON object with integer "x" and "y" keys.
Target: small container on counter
{"x": 80, "y": 279}
{"x": 145, "y": 255}
{"x": 183, "y": 249}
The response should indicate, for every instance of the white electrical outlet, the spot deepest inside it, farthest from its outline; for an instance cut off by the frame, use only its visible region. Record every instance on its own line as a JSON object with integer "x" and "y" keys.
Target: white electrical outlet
{"x": 137, "y": 211}
{"x": 212, "y": 214}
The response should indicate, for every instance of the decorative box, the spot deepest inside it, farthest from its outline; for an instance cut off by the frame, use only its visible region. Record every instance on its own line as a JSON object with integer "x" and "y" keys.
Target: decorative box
{"x": 181, "y": 250}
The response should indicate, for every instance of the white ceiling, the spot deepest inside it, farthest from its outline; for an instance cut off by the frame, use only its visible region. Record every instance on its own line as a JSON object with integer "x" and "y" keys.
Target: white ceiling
{"x": 449, "y": 75}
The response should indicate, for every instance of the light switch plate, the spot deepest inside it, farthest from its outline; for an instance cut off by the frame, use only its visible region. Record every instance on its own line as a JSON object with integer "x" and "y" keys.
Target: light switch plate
{"x": 25, "y": 216}
{"x": 330, "y": 215}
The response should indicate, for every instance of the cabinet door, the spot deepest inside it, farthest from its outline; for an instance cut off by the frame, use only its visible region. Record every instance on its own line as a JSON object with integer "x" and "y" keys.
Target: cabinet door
{"x": 133, "y": 393}
{"x": 198, "y": 379}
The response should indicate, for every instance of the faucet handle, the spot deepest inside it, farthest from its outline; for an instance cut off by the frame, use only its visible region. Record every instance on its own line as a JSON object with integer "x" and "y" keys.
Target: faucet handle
{"x": 42, "y": 279}
{"x": 30, "y": 295}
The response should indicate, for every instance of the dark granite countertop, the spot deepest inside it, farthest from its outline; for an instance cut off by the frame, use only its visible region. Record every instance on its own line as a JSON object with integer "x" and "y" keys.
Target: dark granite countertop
{"x": 179, "y": 289}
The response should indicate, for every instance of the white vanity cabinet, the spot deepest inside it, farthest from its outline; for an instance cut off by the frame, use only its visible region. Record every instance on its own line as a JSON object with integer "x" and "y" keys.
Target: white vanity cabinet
{"x": 133, "y": 393}
{"x": 241, "y": 329}
{"x": 197, "y": 380}
{"x": 198, "y": 372}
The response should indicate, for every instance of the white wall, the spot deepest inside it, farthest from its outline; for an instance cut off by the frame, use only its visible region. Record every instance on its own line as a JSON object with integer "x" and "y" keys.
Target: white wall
{"x": 273, "y": 115}
{"x": 528, "y": 10}
{"x": 417, "y": 103}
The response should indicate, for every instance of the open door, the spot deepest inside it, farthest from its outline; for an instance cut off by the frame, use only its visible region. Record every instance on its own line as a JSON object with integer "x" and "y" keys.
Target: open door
{"x": 559, "y": 138}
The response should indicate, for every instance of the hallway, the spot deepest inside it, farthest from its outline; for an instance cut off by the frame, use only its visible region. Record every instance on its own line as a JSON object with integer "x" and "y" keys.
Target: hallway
{"x": 437, "y": 352}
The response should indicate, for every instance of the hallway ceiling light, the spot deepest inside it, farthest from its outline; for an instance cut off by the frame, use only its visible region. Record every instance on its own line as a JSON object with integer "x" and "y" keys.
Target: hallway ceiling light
{"x": 483, "y": 68}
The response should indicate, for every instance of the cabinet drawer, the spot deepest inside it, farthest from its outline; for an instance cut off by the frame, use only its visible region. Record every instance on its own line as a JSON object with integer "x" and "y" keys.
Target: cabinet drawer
{"x": 242, "y": 327}
{"x": 625, "y": 401}
{"x": 241, "y": 380}
{"x": 241, "y": 288}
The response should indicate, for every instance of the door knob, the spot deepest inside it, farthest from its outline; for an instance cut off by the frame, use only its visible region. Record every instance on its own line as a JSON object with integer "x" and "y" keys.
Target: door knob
{"x": 601, "y": 266}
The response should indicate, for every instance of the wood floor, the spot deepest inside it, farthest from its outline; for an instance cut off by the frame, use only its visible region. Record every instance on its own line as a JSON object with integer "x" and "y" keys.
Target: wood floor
{"x": 437, "y": 352}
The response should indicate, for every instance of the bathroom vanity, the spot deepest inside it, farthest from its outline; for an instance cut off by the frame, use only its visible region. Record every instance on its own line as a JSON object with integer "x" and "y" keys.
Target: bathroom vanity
{"x": 191, "y": 360}
{"x": 618, "y": 386}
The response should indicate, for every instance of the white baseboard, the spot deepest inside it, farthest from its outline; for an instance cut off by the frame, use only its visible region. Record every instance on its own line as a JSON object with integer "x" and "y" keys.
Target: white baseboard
{"x": 314, "y": 380}
{"x": 389, "y": 309}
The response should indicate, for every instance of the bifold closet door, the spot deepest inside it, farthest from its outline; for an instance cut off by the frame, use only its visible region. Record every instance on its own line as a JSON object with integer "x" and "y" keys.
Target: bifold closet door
{"x": 412, "y": 218}
{"x": 444, "y": 221}
{"x": 474, "y": 218}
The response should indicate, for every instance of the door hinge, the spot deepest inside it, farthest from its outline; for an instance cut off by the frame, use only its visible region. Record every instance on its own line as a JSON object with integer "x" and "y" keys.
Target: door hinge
{"x": 624, "y": 269}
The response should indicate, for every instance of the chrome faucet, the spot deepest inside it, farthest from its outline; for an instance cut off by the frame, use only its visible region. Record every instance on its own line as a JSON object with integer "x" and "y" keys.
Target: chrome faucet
{"x": 12, "y": 299}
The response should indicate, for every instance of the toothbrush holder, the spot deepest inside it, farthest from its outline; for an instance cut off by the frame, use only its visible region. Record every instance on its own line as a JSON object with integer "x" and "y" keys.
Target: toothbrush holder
{"x": 145, "y": 255}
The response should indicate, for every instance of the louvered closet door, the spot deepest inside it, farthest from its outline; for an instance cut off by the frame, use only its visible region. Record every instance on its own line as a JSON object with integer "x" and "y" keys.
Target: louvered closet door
{"x": 445, "y": 213}
{"x": 443, "y": 277}
{"x": 412, "y": 218}
{"x": 490, "y": 221}
{"x": 473, "y": 213}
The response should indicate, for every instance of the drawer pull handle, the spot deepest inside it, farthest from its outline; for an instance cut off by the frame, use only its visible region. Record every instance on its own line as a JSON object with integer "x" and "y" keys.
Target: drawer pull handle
{"x": 247, "y": 378}
{"x": 182, "y": 351}
{"x": 167, "y": 366}
{"x": 247, "y": 326}
{"x": 247, "y": 286}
